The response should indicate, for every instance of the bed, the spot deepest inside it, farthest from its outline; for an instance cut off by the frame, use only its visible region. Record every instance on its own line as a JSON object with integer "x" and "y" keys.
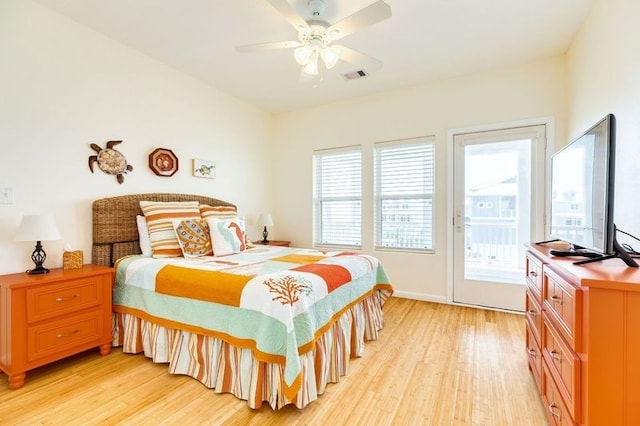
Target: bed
{"x": 266, "y": 324}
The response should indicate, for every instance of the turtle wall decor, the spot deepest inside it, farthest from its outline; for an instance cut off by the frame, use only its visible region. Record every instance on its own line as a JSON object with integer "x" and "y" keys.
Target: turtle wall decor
{"x": 110, "y": 160}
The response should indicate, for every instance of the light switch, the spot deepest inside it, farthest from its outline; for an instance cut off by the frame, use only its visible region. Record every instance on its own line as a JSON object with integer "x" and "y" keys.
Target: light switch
{"x": 6, "y": 195}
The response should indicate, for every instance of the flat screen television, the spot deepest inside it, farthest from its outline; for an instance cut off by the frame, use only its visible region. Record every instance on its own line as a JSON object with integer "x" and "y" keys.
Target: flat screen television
{"x": 582, "y": 189}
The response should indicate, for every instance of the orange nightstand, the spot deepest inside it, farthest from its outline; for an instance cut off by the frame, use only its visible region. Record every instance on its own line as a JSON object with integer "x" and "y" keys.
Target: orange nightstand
{"x": 273, "y": 243}
{"x": 51, "y": 316}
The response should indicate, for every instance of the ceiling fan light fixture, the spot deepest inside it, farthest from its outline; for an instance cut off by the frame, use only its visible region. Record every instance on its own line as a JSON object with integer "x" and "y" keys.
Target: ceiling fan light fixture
{"x": 330, "y": 56}
{"x": 316, "y": 35}
{"x": 311, "y": 67}
{"x": 303, "y": 54}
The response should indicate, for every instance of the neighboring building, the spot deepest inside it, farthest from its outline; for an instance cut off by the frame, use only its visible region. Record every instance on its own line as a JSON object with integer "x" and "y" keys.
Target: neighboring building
{"x": 490, "y": 234}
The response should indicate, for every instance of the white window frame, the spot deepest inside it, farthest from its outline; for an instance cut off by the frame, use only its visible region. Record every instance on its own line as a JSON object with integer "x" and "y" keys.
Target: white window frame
{"x": 320, "y": 197}
{"x": 428, "y": 193}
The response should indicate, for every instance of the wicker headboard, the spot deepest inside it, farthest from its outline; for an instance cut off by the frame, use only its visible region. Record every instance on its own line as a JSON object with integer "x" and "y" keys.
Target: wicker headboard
{"x": 115, "y": 233}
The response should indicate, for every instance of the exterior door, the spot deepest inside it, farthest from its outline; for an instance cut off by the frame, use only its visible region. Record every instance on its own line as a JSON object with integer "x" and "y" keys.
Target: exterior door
{"x": 498, "y": 187}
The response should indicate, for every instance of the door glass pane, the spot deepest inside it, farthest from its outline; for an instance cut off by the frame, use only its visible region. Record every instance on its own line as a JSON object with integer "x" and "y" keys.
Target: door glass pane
{"x": 496, "y": 219}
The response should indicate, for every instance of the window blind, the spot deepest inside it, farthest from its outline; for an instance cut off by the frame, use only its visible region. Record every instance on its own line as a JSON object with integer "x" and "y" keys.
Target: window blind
{"x": 403, "y": 190}
{"x": 337, "y": 197}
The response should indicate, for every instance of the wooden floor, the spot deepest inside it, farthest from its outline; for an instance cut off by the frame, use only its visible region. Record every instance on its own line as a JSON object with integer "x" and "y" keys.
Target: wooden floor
{"x": 434, "y": 364}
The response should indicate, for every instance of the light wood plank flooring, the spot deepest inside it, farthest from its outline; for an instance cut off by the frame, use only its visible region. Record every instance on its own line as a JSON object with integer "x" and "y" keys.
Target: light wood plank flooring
{"x": 434, "y": 364}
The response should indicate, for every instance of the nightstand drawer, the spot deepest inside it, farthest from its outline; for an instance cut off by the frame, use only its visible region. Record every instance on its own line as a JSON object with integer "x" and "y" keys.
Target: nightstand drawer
{"x": 58, "y": 299}
{"x": 57, "y": 336}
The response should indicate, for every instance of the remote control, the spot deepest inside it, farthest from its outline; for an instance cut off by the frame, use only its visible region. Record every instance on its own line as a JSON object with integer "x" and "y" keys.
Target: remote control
{"x": 561, "y": 253}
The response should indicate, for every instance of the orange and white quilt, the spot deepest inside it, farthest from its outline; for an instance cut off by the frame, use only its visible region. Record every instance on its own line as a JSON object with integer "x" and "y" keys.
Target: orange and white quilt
{"x": 274, "y": 300}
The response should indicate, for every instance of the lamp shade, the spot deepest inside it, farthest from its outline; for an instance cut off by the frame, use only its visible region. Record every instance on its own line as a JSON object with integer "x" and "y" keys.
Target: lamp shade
{"x": 311, "y": 66}
{"x": 302, "y": 54}
{"x": 330, "y": 56}
{"x": 40, "y": 227}
{"x": 265, "y": 219}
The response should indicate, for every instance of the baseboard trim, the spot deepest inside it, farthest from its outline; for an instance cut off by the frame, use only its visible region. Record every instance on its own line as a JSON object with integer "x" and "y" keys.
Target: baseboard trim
{"x": 440, "y": 299}
{"x": 420, "y": 296}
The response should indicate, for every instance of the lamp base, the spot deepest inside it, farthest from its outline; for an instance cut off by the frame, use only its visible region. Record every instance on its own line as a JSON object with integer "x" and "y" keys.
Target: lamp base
{"x": 265, "y": 234}
{"x": 37, "y": 270}
{"x": 38, "y": 256}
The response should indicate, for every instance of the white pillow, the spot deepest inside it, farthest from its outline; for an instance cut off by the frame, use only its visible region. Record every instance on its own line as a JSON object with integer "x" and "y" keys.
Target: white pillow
{"x": 228, "y": 236}
{"x": 143, "y": 234}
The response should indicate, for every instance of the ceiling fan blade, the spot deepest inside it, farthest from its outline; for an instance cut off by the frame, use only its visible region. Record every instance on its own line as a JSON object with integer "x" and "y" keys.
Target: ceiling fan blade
{"x": 372, "y": 14}
{"x": 367, "y": 63}
{"x": 268, "y": 46}
{"x": 289, "y": 13}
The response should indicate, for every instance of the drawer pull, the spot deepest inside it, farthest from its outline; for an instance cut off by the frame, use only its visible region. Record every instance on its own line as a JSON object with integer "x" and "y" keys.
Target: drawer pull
{"x": 532, "y": 352}
{"x": 532, "y": 312}
{"x": 533, "y": 273}
{"x": 554, "y": 413}
{"x": 64, "y": 299}
{"x": 63, "y": 335}
{"x": 555, "y": 355}
{"x": 556, "y": 299}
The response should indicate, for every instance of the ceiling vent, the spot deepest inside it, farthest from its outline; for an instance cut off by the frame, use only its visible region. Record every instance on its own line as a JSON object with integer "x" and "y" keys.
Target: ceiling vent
{"x": 354, "y": 74}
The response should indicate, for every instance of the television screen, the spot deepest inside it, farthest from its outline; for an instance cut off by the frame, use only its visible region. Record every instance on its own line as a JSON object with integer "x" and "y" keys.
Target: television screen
{"x": 582, "y": 178}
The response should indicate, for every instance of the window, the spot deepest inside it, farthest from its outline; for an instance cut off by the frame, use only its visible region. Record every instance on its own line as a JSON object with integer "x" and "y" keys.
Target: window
{"x": 337, "y": 197}
{"x": 404, "y": 194}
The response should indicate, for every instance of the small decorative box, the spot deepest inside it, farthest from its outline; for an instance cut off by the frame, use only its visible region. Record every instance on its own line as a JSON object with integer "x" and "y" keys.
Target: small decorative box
{"x": 72, "y": 259}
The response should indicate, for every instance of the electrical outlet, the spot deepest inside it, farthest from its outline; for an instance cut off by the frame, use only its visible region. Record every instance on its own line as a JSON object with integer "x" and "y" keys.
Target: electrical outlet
{"x": 6, "y": 195}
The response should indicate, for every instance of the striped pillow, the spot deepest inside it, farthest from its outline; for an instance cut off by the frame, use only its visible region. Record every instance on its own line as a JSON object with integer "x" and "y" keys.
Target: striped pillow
{"x": 207, "y": 211}
{"x": 160, "y": 217}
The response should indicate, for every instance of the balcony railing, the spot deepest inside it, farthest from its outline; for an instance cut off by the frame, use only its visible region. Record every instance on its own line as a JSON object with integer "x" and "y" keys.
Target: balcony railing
{"x": 492, "y": 250}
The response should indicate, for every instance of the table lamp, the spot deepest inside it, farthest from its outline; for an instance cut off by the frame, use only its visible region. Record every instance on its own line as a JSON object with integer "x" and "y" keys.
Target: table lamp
{"x": 265, "y": 219}
{"x": 38, "y": 228}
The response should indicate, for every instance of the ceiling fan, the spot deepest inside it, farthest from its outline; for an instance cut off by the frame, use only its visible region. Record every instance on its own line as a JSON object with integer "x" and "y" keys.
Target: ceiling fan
{"x": 315, "y": 46}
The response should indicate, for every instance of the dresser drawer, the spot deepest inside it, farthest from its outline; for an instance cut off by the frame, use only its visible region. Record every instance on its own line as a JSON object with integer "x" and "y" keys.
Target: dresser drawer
{"x": 557, "y": 411}
{"x": 62, "y": 335}
{"x": 534, "y": 315}
{"x": 564, "y": 367}
{"x": 56, "y": 299}
{"x": 534, "y": 356}
{"x": 563, "y": 302}
{"x": 534, "y": 276}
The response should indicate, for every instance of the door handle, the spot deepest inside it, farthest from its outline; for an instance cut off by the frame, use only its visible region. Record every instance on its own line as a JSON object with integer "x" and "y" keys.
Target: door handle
{"x": 457, "y": 220}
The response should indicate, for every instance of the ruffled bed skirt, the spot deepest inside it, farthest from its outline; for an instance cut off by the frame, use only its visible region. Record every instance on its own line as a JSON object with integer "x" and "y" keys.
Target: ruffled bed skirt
{"x": 230, "y": 369}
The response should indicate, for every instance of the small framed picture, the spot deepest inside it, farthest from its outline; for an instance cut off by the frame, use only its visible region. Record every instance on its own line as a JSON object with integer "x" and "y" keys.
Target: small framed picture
{"x": 163, "y": 162}
{"x": 204, "y": 168}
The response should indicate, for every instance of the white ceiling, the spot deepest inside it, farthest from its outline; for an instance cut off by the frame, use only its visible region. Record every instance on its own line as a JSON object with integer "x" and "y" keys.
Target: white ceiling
{"x": 424, "y": 40}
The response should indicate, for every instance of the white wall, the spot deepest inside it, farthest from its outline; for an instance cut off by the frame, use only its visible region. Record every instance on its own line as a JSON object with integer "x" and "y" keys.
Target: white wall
{"x": 505, "y": 95}
{"x": 604, "y": 77}
{"x": 63, "y": 86}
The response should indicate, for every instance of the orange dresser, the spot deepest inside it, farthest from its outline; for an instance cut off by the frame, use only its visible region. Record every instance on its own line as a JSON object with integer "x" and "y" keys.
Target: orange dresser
{"x": 583, "y": 338}
{"x": 44, "y": 318}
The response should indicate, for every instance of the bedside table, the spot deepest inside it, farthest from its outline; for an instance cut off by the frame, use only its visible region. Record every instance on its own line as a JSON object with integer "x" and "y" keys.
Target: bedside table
{"x": 51, "y": 316}
{"x": 273, "y": 243}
